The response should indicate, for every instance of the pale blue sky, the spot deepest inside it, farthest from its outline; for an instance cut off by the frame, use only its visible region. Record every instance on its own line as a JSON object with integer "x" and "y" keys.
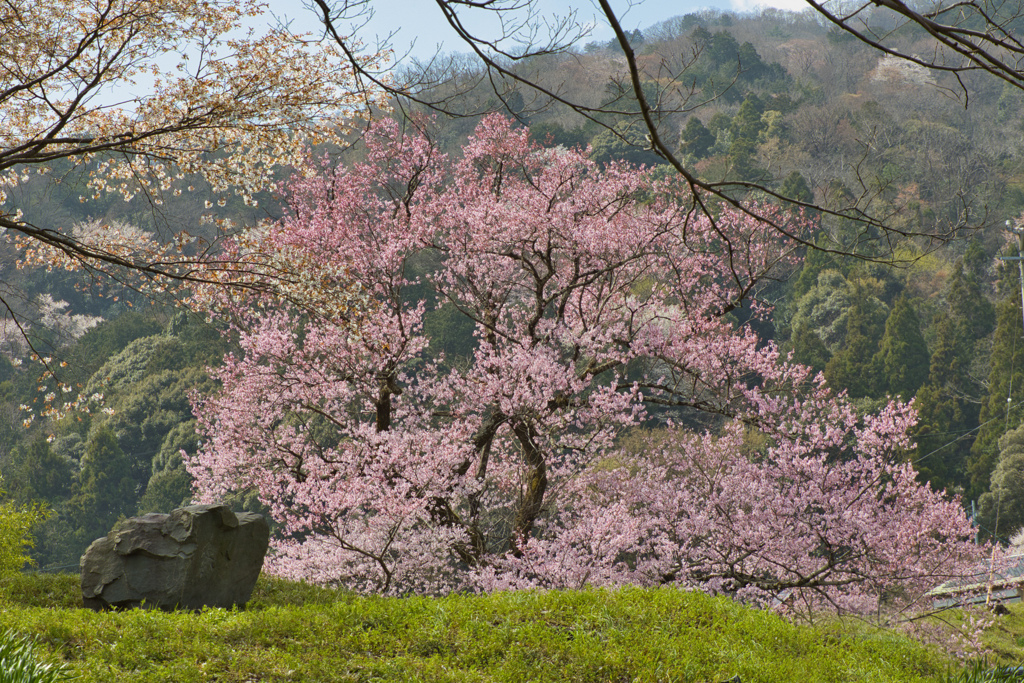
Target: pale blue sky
{"x": 421, "y": 22}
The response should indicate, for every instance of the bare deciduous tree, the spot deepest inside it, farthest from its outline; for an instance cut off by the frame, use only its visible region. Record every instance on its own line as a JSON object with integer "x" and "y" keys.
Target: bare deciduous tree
{"x": 960, "y": 38}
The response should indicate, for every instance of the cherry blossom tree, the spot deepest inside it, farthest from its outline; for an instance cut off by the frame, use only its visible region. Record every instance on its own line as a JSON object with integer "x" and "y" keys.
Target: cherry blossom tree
{"x": 603, "y": 307}
{"x": 147, "y": 96}
{"x": 147, "y": 99}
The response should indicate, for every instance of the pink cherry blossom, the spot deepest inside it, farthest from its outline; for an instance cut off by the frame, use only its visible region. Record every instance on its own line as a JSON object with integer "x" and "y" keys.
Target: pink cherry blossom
{"x": 603, "y": 306}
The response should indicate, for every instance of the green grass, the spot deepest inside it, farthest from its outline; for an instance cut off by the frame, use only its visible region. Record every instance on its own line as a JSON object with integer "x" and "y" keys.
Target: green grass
{"x": 19, "y": 662}
{"x": 294, "y": 632}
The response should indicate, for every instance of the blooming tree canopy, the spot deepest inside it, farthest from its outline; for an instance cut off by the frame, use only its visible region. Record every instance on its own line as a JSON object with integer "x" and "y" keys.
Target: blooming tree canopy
{"x": 148, "y": 94}
{"x": 615, "y": 422}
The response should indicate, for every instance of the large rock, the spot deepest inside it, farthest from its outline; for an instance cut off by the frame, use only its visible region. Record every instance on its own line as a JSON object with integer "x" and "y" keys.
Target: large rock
{"x": 197, "y": 556}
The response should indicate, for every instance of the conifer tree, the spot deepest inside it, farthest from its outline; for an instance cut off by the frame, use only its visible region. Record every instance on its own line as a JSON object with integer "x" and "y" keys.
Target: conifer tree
{"x": 719, "y": 122}
{"x": 947, "y": 416}
{"x": 853, "y": 368}
{"x": 902, "y": 358}
{"x": 1001, "y": 411}
{"x": 106, "y": 488}
{"x": 722, "y": 48}
{"x": 747, "y": 123}
{"x": 943, "y": 439}
{"x": 808, "y": 349}
{"x": 743, "y": 160}
{"x": 975, "y": 259}
{"x": 622, "y": 143}
{"x": 696, "y": 140}
{"x": 949, "y": 406}
{"x": 824, "y": 309}
{"x": 1002, "y": 506}
{"x": 751, "y": 63}
{"x": 795, "y": 187}
{"x": 968, "y": 304}
{"x": 815, "y": 262}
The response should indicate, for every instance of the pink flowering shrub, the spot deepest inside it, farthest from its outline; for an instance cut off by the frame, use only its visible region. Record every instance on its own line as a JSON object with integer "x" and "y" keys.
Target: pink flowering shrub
{"x": 601, "y": 300}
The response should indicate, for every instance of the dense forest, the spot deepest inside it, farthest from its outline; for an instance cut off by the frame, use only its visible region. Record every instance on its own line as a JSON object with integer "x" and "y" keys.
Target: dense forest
{"x": 775, "y": 98}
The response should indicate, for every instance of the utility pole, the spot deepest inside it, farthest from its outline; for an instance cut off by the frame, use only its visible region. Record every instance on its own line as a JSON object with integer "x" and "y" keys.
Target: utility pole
{"x": 1017, "y": 228}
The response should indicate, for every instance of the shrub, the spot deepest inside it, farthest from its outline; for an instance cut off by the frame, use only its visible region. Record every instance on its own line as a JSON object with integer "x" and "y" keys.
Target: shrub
{"x": 16, "y": 523}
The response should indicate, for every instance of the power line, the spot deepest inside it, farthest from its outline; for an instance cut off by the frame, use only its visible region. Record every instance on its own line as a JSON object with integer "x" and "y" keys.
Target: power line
{"x": 962, "y": 435}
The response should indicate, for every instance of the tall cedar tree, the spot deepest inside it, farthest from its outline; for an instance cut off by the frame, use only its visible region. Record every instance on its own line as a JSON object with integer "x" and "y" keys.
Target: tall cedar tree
{"x": 815, "y": 262}
{"x": 950, "y": 404}
{"x": 808, "y": 349}
{"x": 902, "y": 358}
{"x": 968, "y": 304}
{"x": 104, "y": 486}
{"x": 852, "y": 368}
{"x": 1001, "y": 411}
{"x": 1001, "y": 509}
{"x": 946, "y": 417}
{"x": 795, "y": 187}
{"x": 747, "y": 123}
{"x": 696, "y": 140}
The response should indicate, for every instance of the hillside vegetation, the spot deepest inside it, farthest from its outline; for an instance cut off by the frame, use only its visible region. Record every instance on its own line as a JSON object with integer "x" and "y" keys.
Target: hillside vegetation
{"x": 294, "y": 632}
{"x": 784, "y": 102}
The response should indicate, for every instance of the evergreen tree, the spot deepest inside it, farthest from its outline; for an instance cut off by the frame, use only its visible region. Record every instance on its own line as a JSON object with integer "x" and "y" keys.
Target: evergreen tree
{"x": 622, "y": 144}
{"x": 166, "y": 491}
{"x": 722, "y": 51}
{"x": 751, "y": 63}
{"x": 950, "y": 405}
{"x": 743, "y": 160}
{"x": 975, "y": 259}
{"x": 105, "y": 491}
{"x": 450, "y": 332}
{"x": 795, "y": 187}
{"x": 700, "y": 37}
{"x": 1002, "y": 410}
{"x": 808, "y": 349}
{"x": 947, "y": 416}
{"x": 815, "y": 263}
{"x": 747, "y": 123}
{"x": 719, "y": 121}
{"x": 949, "y": 360}
{"x": 944, "y": 434}
{"x": 635, "y": 38}
{"x": 825, "y": 307}
{"x": 1001, "y": 508}
{"x": 36, "y": 473}
{"x": 968, "y": 304}
{"x": 170, "y": 485}
{"x": 853, "y": 368}
{"x": 696, "y": 140}
{"x": 902, "y": 359}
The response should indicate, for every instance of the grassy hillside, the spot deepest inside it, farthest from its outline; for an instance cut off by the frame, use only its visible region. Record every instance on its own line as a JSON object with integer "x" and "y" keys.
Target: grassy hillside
{"x": 293, "y": 632}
